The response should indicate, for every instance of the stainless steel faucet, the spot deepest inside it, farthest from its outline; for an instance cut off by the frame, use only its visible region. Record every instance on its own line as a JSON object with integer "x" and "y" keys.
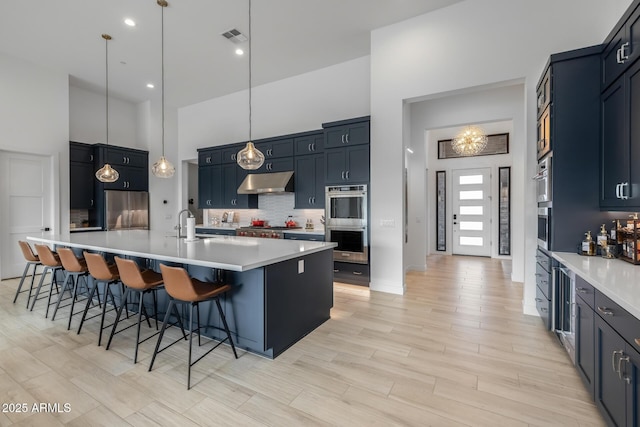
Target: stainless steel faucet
{"x": 179, "y": 226}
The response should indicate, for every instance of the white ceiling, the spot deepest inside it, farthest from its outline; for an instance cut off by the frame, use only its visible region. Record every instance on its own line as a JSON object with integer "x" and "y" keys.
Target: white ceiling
{"x": 290, "y": 37}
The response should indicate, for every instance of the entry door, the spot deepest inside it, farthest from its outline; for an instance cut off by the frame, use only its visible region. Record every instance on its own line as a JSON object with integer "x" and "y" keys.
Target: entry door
{"x": 472, "y": 212}
{"x": 25, "y": 205}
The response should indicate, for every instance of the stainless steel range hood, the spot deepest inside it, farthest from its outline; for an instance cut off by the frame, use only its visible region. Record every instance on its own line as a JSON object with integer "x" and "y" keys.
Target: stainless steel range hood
{"x": 265, "y": 183}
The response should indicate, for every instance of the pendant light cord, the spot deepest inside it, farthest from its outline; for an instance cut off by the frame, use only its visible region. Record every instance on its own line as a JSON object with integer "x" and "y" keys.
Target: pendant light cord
{"x": 106, "y": 67}
{"x": 162, "y": 59}
{"x": 250, "y": 55}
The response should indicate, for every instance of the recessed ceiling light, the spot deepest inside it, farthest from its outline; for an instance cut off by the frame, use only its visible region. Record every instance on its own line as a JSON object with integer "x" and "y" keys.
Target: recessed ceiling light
{"x": 239, "y": 51}
{"x": 150, "y": 85}
{"x": 130, "y": 22}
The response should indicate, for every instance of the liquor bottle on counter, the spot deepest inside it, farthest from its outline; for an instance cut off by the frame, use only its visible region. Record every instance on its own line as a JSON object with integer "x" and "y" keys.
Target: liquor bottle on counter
{"x": 603, "y": 237}
{"x": 588, "y": 245}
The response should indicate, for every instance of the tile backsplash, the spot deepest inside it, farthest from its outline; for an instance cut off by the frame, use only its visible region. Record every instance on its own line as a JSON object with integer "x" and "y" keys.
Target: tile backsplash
{"x": 273, "y": 208}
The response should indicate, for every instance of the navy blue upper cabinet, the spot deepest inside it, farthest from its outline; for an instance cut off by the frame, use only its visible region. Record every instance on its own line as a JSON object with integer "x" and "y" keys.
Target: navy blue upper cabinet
{"x": 620, "y": 148}
{"x": 209, "y": 157}
{"x": 348, "y": 134}
{"x": 229, "y": 153}
{"x": 346, "y": 145}
{"x": 309, "y": 182}
{"x": 209, "y": 186}
{"x": 622, "y": 47}
{"x": 349, "y": 165}
{"x": 274, "y": 148}
{"x": 81, "y": 176}
{"x": 126, "y": 157}
{"x": 283, "y": 164}
{"x": 309, "y": 144}
{"x": 131, "y": 164}
{"x": 232, "y": 177}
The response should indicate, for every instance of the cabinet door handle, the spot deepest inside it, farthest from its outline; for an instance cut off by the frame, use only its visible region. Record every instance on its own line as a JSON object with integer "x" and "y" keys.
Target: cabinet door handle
{"x": 313, "y": 200}
{"x": 313, "y": 146}
{"x": 624, "y": 196}
{"x": 343, "y": 138}
{"x": 619, "y": 56}
{"x": 538, "y": 299}
{"x": 346, "y": 137}
{"x": 309, "y": 200}
{"x": 335, "y": 270}
{"x": 91, "y": 157}
{"x": 309, "y": 147}
{"x": 543, "y": 309}
{"x": 618, "y": 191}
{"x": 582, "y": 290}
{"x": 623, "y": 54}
{"x": 91, "y": 202}
{"x": 343, "y": 175}
{"x": 620, "y": 360}
{"x": 358, "y": 273}
{"x": 605, "y": 311}
{"x": 347, "y": 175}
{"x": 613, "y": 359}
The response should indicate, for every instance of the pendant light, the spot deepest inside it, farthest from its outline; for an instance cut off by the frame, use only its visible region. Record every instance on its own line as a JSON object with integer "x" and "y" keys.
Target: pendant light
{"x": 250, "y": 158}
{"x": 163, "y": 167}
{"x": 470, "y": 142}
{"x": 106, "y": 173}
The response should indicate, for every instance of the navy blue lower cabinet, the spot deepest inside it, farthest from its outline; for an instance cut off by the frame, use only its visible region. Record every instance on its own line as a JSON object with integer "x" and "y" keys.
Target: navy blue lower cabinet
{"x": 216, "y": 232}
{"x": 610, "y": 387}
{"x": 585, "y": 350}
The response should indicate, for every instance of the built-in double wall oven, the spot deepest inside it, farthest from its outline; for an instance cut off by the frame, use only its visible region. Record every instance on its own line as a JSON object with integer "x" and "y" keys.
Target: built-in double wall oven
{"x": 545, "y": 201}
{"x": 346, "y": 222}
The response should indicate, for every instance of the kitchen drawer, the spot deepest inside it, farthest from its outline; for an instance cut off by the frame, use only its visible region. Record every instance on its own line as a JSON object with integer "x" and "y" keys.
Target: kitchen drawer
{"x": 543, "y": 305}
{"x": 585, "y": 291}
{"x": 300, "y": 236}
{"x": 618, "y": 318}
{"x": 543, "y": 280}
{"x": 347, "y": 272}
{"x": 544, "y": 260}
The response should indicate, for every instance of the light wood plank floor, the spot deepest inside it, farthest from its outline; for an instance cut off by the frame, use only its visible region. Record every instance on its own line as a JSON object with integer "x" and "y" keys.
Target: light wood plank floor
{"x": 454, "y": 350}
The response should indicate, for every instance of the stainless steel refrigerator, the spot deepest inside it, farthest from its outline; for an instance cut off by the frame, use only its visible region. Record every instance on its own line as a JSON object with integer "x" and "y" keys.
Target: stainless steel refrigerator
{"x": 127, "y": 210}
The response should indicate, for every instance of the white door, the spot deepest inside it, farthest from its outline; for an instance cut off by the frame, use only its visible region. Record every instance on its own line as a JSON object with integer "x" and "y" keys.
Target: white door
{"x": 25, "y": 205}
{"x": 471, "y": 212}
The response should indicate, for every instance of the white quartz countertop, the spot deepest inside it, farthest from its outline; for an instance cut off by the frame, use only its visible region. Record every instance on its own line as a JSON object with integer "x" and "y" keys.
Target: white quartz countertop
{"x": 224, "y": 252}
{"x": 617, "y": 279}
{"x": 316, "y": 229}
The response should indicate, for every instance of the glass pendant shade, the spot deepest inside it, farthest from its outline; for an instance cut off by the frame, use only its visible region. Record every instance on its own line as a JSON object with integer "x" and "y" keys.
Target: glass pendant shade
{"x": 250, "y": 158}
{"x": 470, "y": 142}
{"x": 107, "y": 174}
{"x": 163, "y": 168}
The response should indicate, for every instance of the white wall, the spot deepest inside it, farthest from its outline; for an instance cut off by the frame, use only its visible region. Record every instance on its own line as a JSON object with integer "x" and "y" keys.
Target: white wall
{"x": 469, "y": 44}
{"x": 296, "y": 104}
{"x": 496, "y": 110}
{"x": 34, "y": 119}
{"x": 87, "y": 119}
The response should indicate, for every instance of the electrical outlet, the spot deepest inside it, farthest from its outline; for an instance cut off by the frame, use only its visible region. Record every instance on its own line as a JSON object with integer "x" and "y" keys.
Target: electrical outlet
{"x": 300, "y": 266}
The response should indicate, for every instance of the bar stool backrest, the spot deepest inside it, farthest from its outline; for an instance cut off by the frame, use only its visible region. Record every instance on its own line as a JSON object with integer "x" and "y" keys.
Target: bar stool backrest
{"x": 47, "y": 257}
{"x": 27, "y": 252}
{"x": 69, "y": 261}
{"x": 98, "y": 267}
{"x": 130, "y": 273}
{"x": 178, "y": 284}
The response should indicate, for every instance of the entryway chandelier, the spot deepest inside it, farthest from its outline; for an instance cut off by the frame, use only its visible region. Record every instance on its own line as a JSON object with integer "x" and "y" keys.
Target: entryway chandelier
{"x": 250, "y": 158}
{"x": 471, "y": 141}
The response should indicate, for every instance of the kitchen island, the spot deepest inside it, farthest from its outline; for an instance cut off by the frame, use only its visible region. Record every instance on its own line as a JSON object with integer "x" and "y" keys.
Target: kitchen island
{"x": 281, "y": 289}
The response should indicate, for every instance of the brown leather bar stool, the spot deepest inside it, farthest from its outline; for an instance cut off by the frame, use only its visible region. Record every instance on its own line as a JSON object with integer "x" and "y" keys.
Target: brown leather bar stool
{"x": 51, "y": 262}
{"x": 102, "y": 272}
{"x": 186, "y": 290}
{"x": 32, "y": 259}
{"x": 141, "y": 282}
{"x": 75, "y": 268}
